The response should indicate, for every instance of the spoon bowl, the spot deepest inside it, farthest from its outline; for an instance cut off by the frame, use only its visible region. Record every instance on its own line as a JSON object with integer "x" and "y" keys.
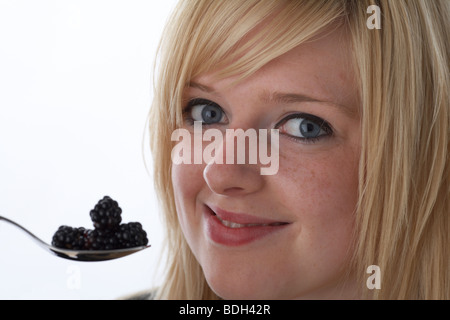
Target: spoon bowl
{"x": 79, "y": 255}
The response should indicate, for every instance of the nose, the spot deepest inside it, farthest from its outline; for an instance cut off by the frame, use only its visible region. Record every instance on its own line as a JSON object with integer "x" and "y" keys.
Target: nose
{"x": 226, "y": 175}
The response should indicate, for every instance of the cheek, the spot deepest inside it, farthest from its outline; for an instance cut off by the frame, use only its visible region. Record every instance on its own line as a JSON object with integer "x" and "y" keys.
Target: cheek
{"x": 322, "y": 193}
{"x": 334, "y": 186}
{"x": 187, "y": 180}
{"x": 187, "y": 177}
{"x": 321, "y": 184}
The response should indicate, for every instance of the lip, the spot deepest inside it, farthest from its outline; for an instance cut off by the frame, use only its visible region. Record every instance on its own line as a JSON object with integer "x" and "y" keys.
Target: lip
{"x": 256, "y": 228}
{"x": 241, "y": 218}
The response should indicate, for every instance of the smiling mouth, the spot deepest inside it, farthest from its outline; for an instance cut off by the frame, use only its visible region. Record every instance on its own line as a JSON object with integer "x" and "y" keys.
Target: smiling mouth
{"x": 237, "y": 229}
{"x": 235, "y": 225}
{"x": 237, "y": 220}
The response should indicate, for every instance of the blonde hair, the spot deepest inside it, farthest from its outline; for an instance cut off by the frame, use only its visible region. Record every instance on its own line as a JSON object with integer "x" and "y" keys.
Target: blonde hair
{"x": 402, "y": 217}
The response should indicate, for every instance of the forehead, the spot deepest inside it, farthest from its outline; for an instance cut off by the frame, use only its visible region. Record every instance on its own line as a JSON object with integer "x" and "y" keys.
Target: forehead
{"x": 321, "y": 68}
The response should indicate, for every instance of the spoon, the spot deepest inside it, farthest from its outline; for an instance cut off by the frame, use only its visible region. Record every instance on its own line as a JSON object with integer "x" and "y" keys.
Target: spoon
{"x": 80, "y": 255}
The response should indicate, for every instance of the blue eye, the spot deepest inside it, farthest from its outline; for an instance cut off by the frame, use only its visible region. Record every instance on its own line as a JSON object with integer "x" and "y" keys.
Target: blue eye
{"x": 304, "y": 127}
{"x": 205, "y": 111}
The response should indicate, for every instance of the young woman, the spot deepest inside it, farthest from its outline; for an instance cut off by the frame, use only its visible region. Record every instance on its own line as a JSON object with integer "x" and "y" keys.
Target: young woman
{"x": 362, "y": 116}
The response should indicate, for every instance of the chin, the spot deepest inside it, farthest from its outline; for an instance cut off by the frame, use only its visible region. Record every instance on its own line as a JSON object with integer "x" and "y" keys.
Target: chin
{"x": 232, "y": 291}
{"x": 240, "y": 286}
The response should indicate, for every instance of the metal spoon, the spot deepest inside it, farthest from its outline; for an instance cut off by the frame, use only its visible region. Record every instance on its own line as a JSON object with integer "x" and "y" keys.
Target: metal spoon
{"x": 79, "y": 255}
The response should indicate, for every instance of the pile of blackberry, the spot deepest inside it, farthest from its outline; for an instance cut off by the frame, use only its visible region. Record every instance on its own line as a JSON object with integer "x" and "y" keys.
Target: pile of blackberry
{"x": 108, "y": 233}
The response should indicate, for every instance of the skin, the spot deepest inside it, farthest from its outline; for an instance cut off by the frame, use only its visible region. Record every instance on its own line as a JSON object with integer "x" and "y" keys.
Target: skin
{"x": 314, "y": 190}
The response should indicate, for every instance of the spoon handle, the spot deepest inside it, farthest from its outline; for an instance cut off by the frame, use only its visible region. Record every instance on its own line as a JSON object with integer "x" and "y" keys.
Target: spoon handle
{"x": 42, "y": 243}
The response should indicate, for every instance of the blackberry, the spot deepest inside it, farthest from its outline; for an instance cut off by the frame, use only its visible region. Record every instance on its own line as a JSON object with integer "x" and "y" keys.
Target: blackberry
{"x": 69, "y": 238}
{"x": 127, "y": 235}
{"x": 106, "y": 214}
{"x": 101, "y": 240}
{"x": 109, "y": 233}
{"x": 131, "y": 235}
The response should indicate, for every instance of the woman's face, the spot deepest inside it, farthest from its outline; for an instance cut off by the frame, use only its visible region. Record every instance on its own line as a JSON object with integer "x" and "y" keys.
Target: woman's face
{"x": 284, "y": 235}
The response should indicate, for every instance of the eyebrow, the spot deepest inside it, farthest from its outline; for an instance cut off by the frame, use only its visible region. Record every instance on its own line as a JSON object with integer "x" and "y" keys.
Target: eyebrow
{"x": 285, "y": 98}
{"x": 200, "y": 86}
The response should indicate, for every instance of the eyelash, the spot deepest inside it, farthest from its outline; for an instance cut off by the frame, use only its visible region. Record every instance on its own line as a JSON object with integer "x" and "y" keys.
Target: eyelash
{"x": 324, "y": 125}
{"x": 192, "y": 103}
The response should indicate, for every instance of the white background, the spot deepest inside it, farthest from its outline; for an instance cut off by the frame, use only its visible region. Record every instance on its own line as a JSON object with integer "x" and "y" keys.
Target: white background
{"x": 75, "y": 90}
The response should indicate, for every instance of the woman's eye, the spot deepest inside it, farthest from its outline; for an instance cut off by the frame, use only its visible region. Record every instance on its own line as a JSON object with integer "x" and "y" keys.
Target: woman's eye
{"x": 304, "y": 127}
{"x": 205, "y": 111}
